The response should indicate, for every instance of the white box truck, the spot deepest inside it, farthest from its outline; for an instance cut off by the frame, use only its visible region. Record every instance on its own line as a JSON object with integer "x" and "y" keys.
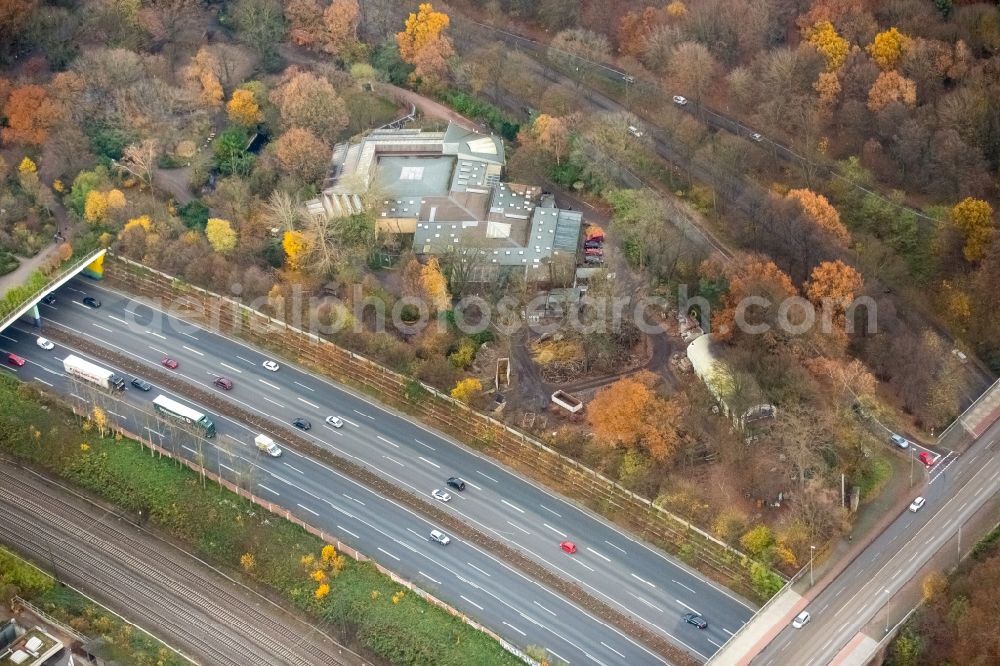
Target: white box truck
{"x": 95, "y": 374}
{"x": 267, "y": 445}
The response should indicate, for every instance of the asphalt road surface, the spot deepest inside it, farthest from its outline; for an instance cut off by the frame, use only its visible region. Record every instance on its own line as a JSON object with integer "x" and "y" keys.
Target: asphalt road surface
{"x": 854, "y": 604}
{"x": 623, "y": 572}
{"x": 209, "y": 617}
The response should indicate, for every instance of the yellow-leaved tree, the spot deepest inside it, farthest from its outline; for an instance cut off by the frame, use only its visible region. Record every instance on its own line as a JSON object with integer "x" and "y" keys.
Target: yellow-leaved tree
{"x": 822, "y": 213}
{"x": 243, "y": 108}
{"x": 834, "y": 48}
{"x": 629, "y": 413}
{"x": 974, "y": 218}
{"x": 95, "y": 206}
{"x": 435, "y": 285}
{"x": 296, "y": 246}
{"x": 466, "y": 390}
{"x": 887, "y": 48}
{"x": 423, "y": 44}
{"x": 221, "y": 235}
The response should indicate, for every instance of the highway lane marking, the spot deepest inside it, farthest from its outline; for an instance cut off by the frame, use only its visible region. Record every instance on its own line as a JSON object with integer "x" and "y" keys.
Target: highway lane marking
{"x": 893, "y": 577}
{"x": 304, "y": 386}
{"x": 245, "y": 359}
{"x": 389, "y": 554}
{"x": 976, "y": 494}
{"x": 353, "y": 500}
{"x": 162, "y": 337}
{"x": 433, "y": 580}
{"x": 158, "y": 351}
{"x": 478, "y": 569}
{"x": 422, "y": 444}
{"x": 225, "y": 365}
{"x": 563, "y": 535}
{"x": 472, "y": 485}
{"x": 113, "y": 413}
{"x": 264, "y": 381}
{"x": 614, "y": 546}
{"x": 103, "y": 328}
{"x": 293, "y": 468}
{"x": 462, "y": 596}
{"x": 314, "y": 406}
{"x": 487, "y": 476}
{"x": 557, "y": 655}
{"x": 838, "y": 593}
{"x": 713, "y": 643}
{"x": 643, "y": 580}
{"x": 7, "y": 337}
{"x": 606, "y": 559}
{"x": 684, "y": 586}
{"x": 437, "y": 466}
{"x": 513, "y": 627}
{"x": 52, "y": 372}
{"x": 364, "y": 415}
{"x": 188, "y": 335}
{"x": 557, "y": 515}
{"x": 893, "y": 538}
{"x": 301, "y": 506}
{"x": 344, "y": 529}
{"x": 261, "y": 485}
{"x": 544, "y": 608}
{"x": 271, "y": 401}
{"x": 728, "y": 632}
{"x": 394, "y": 460}
{"x": 76, "y": 290}
{"x": 185, "y": 446}
{"x": 647, "y": 602}
{"x": 686, "y": 606}
{"x": 39, "y": 379}
{"x": 516, "y": 508}
{"x": 149, "y": 429}
{"x": 518, "y": 527}
{"x": 227, "y": 467}
{"x": 580, "y": 562}
{"x": 964, "y": 504}
{"x": 118, "y": 319}
{"x": 614, "y": 650}
{"x": 336, "y": 430}
{"x": 346, "y": 420}
{"x": 387, "y": 441}
{"x": 85, "y": 400}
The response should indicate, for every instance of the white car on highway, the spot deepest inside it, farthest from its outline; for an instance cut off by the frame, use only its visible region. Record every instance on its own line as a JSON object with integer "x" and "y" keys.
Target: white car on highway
{"x": 271, "y": 365}
{"x": 335, "y": 422}
{"x": 44, "y": 343}
{"x": 801, "y": 620}
{"x": 917, "y": 504}
{"x": 440, "y": 495}
{"x": 440, "y": 537}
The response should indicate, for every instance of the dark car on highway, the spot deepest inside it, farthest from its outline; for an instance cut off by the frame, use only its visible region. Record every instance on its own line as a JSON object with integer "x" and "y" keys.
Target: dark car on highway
{"x": 49, "y": 299}
{"x": 696, "y": 620}
{"x": 224, "y": 383}
{"x": 301, "y": 424}
{"x": 141, "y": 384}
{"x": 91, "y": 302}
{"x": 456, "y": 483}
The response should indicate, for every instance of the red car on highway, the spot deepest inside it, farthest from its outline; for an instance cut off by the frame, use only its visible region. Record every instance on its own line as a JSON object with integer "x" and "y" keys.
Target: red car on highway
{"x": 568, "y": 546}
{"x": 169, "y": 363}
{"x": 14, "y": 359}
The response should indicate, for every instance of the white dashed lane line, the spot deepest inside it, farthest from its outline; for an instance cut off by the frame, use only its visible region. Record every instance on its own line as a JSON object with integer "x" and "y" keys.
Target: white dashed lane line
{"x": 516, "y": 508}
{"x": 225, "y": 365}
{"x": 364, "y": 415}
{"x": 462, "y": 596}
{"x": 643, "y": 580}
{"x": 391, "y": 459}
{"x": 293, "y": 468}
{"x": 389, "y": 554}
{"x": 434, "y": 464}
{"x": 192, "y": 350}
{"x": 430, "y": 579}
{"x": 304, "y": 386}
{"x": 557, "y": 515}
{"x": 313, "y": 512}
{"x": 608, "y": 560}
{"x": 562, "y": 534}
{"x": 344, "y": 529}
{"x": 544, "y": 608}
{"x": 103, "y": 328}
{"x": 242, "y": 359}
{"x": 487, "y": 476}
{"x": 426, "y": 445}
{"x": 162, "y": 337}
{"x": 275, "y": 492}
{"x": 388, "y": 442}
{"x": 264, "y": 381}
{"x": 303, "y": 400}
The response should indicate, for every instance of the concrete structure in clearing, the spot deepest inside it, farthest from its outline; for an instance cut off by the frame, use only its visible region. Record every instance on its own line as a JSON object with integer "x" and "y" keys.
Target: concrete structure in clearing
{"x": 444, "y": 188}
{"x": 735, "y": 394}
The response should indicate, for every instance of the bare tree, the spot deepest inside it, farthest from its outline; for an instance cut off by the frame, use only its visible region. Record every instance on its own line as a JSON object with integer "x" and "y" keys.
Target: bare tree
{"x": 140, "y": 159}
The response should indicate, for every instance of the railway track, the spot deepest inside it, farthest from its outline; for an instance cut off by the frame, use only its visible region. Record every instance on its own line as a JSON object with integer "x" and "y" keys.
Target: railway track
{"x": 209, "y": 617}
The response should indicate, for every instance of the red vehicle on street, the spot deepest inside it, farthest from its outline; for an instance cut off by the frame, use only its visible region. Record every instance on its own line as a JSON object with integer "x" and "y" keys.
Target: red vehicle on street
{"x": 14, "y": 359}
{"x": 927, "y": 459}
{"x": 169, "y": 363}
{"x": 568, "y": 546}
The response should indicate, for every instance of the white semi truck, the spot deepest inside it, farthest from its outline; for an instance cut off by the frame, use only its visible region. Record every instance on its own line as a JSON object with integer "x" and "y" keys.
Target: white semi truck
{"x": 95, "y": 374}
{"x": 267, "y": 445}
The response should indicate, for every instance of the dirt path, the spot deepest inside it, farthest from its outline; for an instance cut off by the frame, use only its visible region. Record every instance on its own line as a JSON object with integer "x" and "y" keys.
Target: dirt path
{"x": 20, "y": 274}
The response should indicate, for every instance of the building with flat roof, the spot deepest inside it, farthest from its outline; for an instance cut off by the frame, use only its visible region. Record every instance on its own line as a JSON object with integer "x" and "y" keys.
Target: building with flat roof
{"x": 33, "y": 647}
{"x": 445, "y": 189}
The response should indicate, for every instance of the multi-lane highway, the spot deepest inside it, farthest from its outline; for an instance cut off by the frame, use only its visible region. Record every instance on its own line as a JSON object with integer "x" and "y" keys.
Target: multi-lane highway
{"x": 618, "y": 570}
{"x": 847, "y": 614}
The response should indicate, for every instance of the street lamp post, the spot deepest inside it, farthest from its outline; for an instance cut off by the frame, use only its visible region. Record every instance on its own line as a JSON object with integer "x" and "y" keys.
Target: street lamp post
{"x": 887, "y": 595}
{"x": 812, "y": 554}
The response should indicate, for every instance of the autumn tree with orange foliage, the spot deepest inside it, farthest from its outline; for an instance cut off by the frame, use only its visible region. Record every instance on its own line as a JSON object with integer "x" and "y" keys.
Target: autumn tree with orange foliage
{"x": 974, "y": 219}
{"x": 891, "y": 87}
{"x": 887, "y": 48}
{"x": 825, "y": 39}
{"x": 818, "y": 209}
{"x": 311, "y": 102}
{"x": 423, "y": 44}
{"x": 630, "y": 414}
{"x": 341, "y": 20}
{"x": 243, "y": 108}
{"x": 635, "y": 26}
{"x": 302, "y": 154}
{"x": 30, "y": 113}
{"x": 202, "y": 75}
{"x": 832, "y": 286}
{"x": 551, "y": 135}
{"x": 748, "y": 275}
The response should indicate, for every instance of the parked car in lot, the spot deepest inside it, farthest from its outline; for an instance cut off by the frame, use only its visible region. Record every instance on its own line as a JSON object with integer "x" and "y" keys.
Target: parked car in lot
{"x": 440, "y": 495}
{"x": 593, "y": 244}
{"x": 14, "y": 359}
{"x": 680, "y": 100}
{"x": 224, "y": 383}
{"x": 141, "y": 384}
{"x": 302, "y": 424}
{"x": 45, "y": 343}
{"x": 335, "y": 422}
{"x": 271, "y": 365}
{"x": 170, "y": 363}
{"x": 456, "y": 483}
{"x": 440, "y": 537}
{"x": 917, "y": 504}
{"x": 91, "y": 302}
{"x": 801, "y": 620}
{"x": 927, "y": 459}
{"x": 899, "y": 441}
{"x": 695, "y": 619}
{"x": 568, "y": 546}
{"x": 593, "y": 260}
{"x": 594, "y": 252}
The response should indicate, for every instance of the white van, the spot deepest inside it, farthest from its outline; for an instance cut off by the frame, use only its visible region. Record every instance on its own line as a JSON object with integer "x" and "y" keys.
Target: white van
{"x": 635, "y": 131}
{"x": 267, "y": 445}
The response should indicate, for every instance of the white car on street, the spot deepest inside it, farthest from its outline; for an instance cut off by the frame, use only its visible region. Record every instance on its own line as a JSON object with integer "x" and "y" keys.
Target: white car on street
{"x": 801, "y": 620}
{"x": 440, "y": 495}
{"x": 271, "y": 365}
{"x": 44, "y": 343}
{"x": 335, "y": 422}
{"x": 917, "y": 504}
{"x": 440, "y": 537}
